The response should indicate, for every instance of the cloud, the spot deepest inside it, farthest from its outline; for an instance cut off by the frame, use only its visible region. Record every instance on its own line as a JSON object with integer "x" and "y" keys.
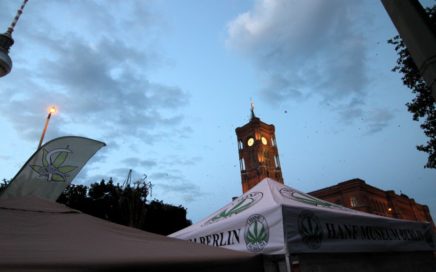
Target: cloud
{"x": 5, "y": 157}
{"x": 97, "y": 73}
{"x": 133, "y": 103}
{"x": 136, "y": 162}
{"x": 98, "y": 80}
{"x": 187, "y": 191}
{"x": 378, "y": 119}
{"x": 304, "y": 48}
{"x": 185, "y": 161}
{"x": 173, "y": 183}
{"x": 371, "y": 120}
{"x": 351, "y": 111}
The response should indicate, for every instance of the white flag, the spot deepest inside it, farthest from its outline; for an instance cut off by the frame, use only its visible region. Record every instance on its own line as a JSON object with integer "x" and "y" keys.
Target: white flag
{"x": 52, "y": 168}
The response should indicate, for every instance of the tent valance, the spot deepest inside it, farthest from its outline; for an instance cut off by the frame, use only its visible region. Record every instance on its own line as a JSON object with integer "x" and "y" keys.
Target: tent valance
{"x": 273, "y": 218}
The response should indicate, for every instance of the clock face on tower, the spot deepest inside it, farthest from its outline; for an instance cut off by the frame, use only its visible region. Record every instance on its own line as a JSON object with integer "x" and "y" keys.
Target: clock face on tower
{"x": 250, "y": 142}
{"x": 264, "y": 140}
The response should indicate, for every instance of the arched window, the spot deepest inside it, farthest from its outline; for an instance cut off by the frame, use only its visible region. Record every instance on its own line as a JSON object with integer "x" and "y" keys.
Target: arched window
{"x": 353, "y": 202}
{"x": 240, "y": 144}
{"x": 242, "y": 164}
{"x": 276, "y": 162}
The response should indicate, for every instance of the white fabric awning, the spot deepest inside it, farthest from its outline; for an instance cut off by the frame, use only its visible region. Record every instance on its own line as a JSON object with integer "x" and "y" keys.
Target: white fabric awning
{"x": 273, "y": 218}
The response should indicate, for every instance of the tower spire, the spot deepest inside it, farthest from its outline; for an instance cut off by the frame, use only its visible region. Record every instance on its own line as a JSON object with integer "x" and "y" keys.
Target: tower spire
{"x": 17, "y": 16}
{"x": 252, "y": 108}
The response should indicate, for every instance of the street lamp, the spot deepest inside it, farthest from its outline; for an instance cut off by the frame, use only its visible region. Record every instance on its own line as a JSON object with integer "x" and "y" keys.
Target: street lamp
{"x": 6, "y": 42}
{"x": 51, "y": 111}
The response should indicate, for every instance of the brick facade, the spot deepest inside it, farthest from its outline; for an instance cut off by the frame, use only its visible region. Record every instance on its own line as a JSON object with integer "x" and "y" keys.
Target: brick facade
{"x": 258, "y": 153}
{"x": 358, "y": 195}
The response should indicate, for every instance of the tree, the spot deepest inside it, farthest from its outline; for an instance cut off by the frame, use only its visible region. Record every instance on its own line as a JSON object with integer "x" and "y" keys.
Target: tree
{"x": 164, "y": 218}
{"x": 4, "y": 184}
{"x": 76, "y": 196}
{"x": 423, "y": 105}
{"x": 126, "y": 205}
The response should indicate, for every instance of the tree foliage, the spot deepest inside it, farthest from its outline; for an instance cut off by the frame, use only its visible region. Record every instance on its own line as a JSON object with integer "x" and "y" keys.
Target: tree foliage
{"x": 4, "y": 184}
{"x": 423, "y": 104}
{"x": 126, "y": 205}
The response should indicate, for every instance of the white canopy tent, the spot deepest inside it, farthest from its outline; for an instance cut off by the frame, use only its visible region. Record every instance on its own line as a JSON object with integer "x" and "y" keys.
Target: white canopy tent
{"x": 273, "y": 218}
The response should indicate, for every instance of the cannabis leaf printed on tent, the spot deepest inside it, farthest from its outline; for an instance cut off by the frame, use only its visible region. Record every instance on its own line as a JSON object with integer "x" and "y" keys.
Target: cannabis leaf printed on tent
{"x": 310, "y": 229}
{"x": 242, "y": 204}
{"x": 53, "y": 169}
{"x": 256, "y": 233}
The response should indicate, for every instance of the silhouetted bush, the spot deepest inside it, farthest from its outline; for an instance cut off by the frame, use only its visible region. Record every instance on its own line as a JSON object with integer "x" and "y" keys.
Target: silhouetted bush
{"x": 126, "y": 205}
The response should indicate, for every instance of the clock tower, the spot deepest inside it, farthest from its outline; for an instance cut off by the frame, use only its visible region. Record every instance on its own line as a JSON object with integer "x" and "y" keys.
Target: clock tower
{"x": 258, "y": 154}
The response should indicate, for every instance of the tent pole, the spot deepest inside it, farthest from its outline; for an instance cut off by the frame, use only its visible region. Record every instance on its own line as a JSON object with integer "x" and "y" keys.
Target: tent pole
{"x": 288, "y": 262}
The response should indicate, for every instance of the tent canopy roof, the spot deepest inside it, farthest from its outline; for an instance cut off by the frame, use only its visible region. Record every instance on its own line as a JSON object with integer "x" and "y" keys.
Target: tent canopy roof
{"x": 273, "y": 218}
{"x": 36, "y": 233}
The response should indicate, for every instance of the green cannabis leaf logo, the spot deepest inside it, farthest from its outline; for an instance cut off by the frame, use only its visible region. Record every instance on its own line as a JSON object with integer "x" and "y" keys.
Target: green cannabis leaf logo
{"x": 308, "y": 199}
{"x": 310, "y": 229}
{"x": 240, "y": 205}
{"x": 52, "y": 165}
{"x": 256, "y": 233}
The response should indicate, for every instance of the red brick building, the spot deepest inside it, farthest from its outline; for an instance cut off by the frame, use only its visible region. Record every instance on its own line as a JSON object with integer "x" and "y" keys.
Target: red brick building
{"x": 358, "y": 195}
{"x": 258, "y": 153}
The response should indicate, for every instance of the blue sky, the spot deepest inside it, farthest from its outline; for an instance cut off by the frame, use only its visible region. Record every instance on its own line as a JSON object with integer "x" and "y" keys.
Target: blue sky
{"x": 165, "y": 83}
